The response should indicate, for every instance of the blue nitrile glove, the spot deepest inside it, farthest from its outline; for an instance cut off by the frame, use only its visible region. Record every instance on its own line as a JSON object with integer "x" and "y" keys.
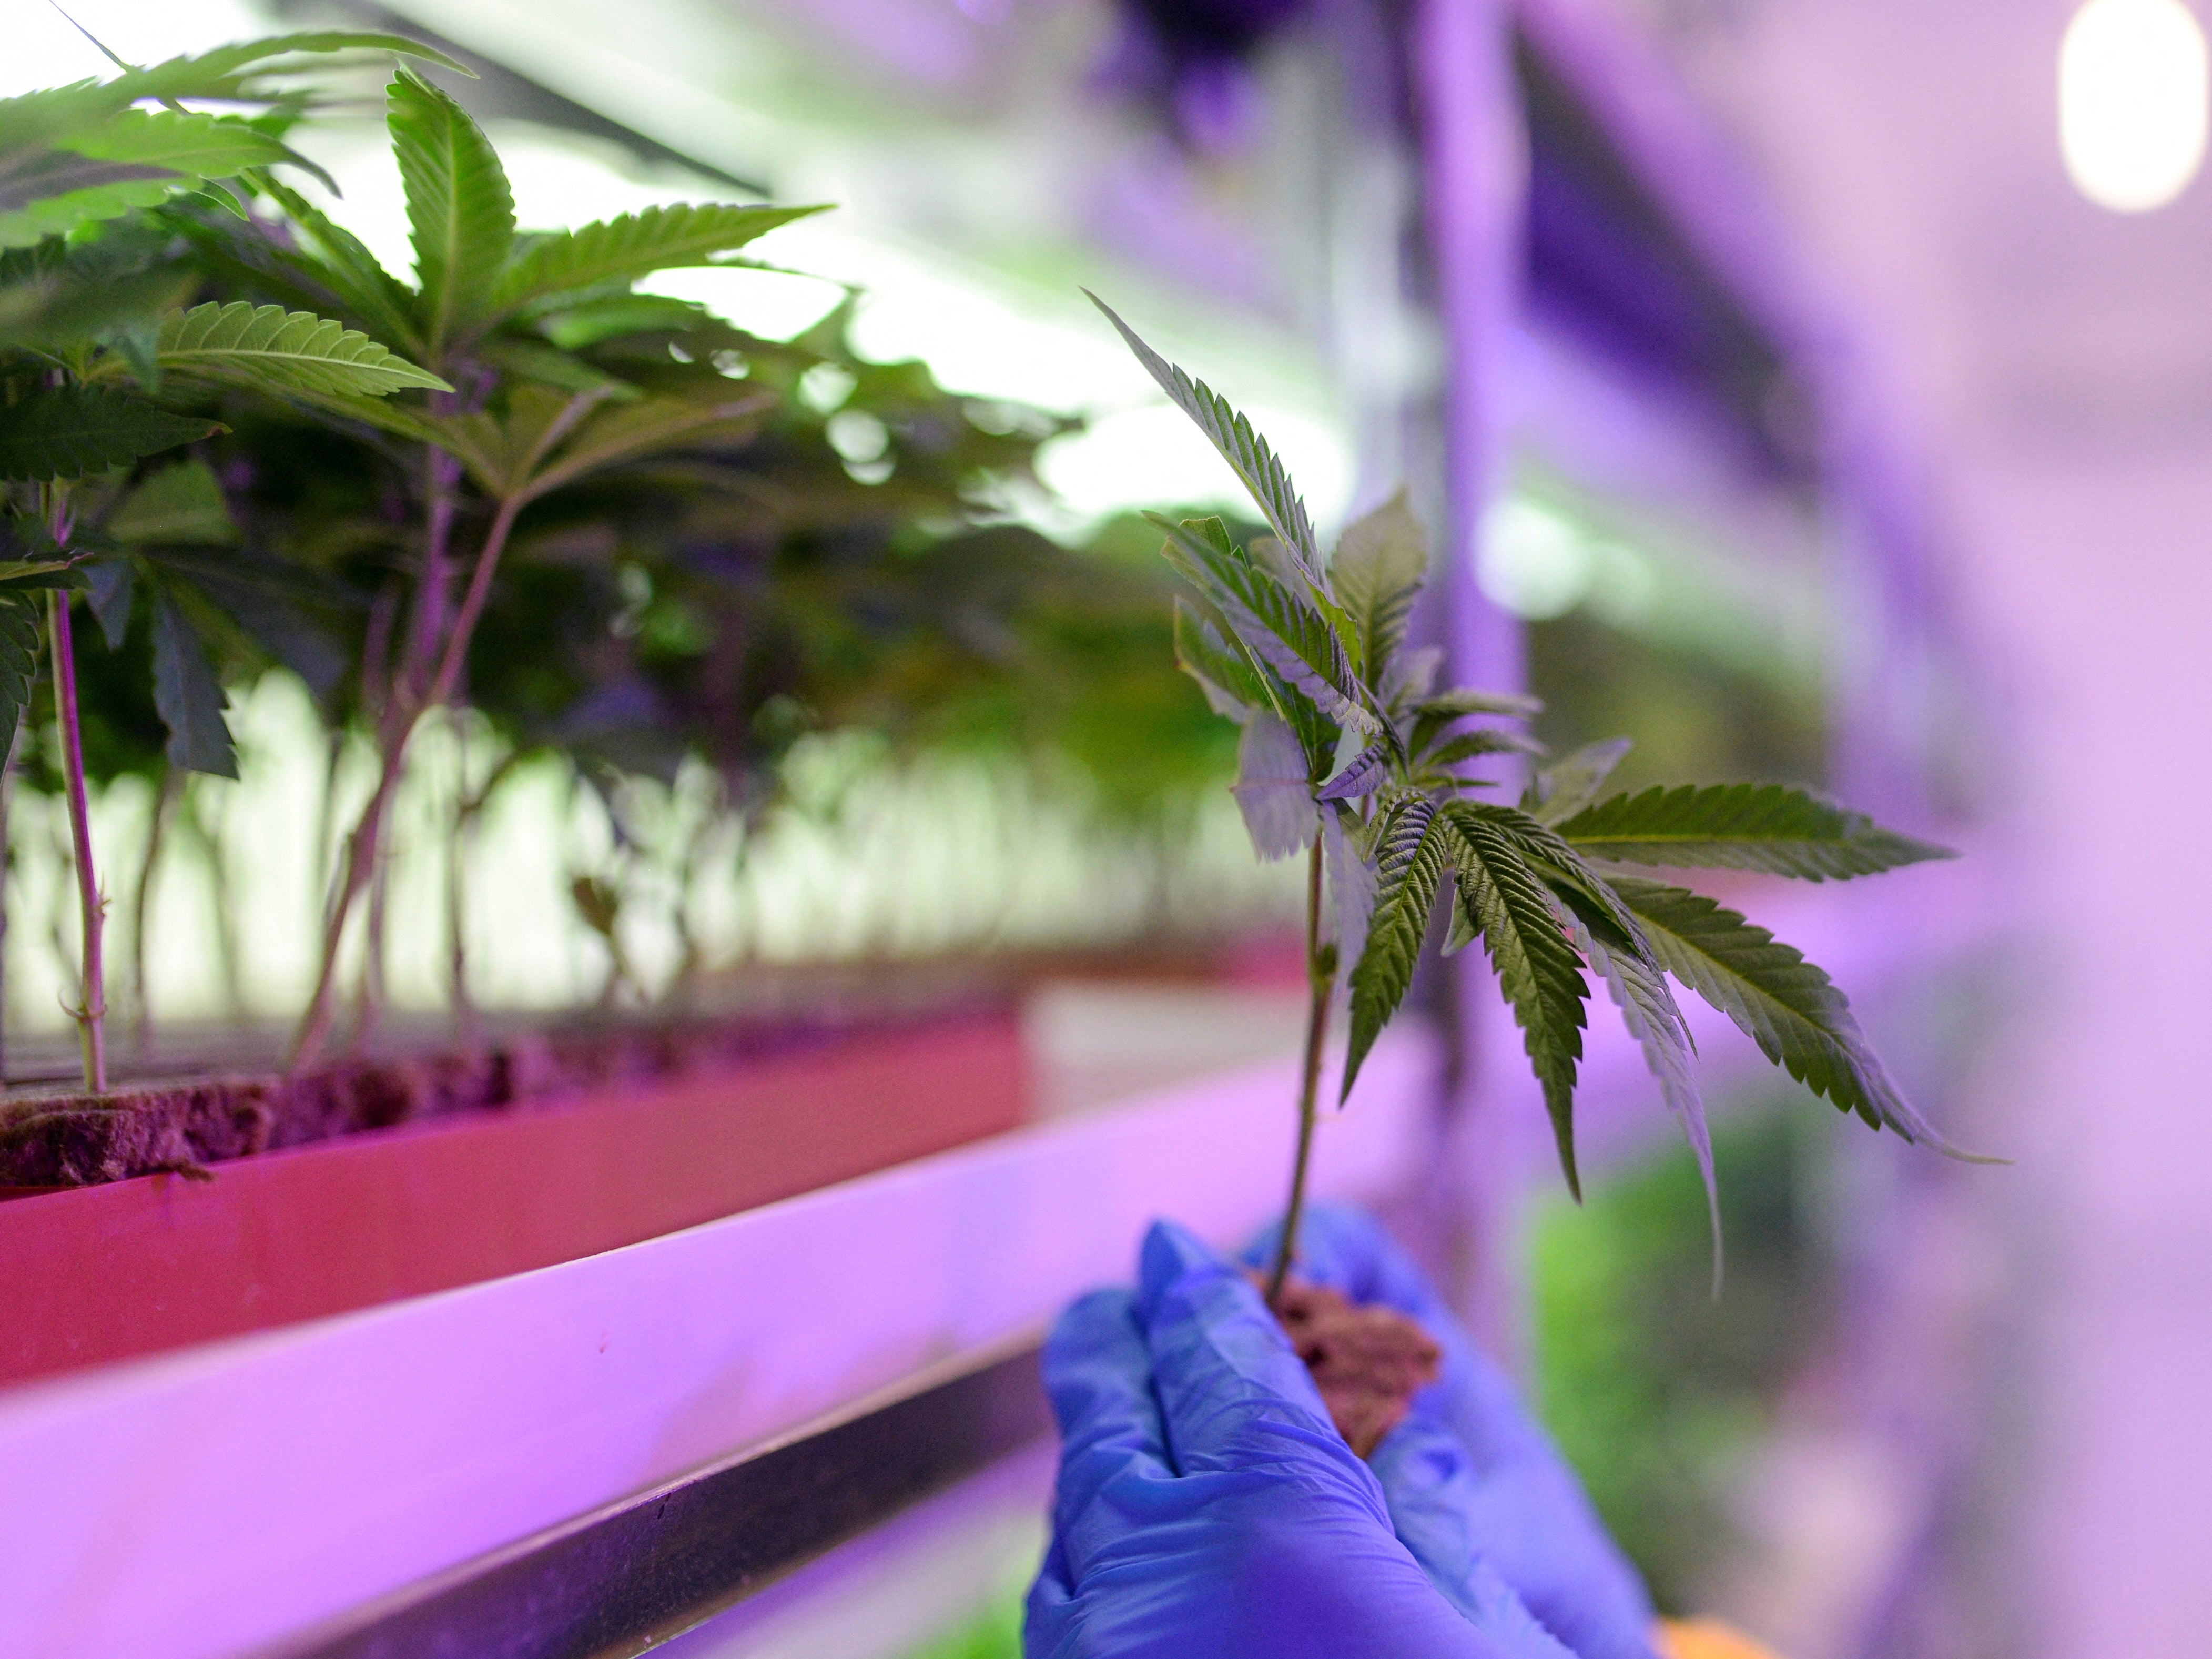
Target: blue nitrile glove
{"x": 1208, "y": 1509}
{"x": 1506, "y": 1498}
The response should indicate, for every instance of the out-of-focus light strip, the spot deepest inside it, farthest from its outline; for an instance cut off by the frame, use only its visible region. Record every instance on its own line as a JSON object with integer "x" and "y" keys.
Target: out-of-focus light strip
{"x": 2132, "y": 102}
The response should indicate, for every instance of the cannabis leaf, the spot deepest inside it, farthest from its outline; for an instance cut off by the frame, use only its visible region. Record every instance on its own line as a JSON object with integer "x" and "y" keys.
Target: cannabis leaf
{"x": 1413, "y": 855}
{"x": 362, "y": 286}
{"x": 187, "y": 694}
{"x": 1278, "y": 625}
{"x": 1272, "y": 789}
{"x": 1245, "y": 450}
{"x": 1743, "y": 826}
{"x": 1787, "y": 1006}
{"x": 1381, "y": 562}
{"x": 1649, "y": 1011}
{"x": 18, "y": 659}
{"x": 181, "y": 503}
{"x": 66, "y": 432}
{"x": 633, "y": 245}
{"x": 459, "y": 210}
{"x": 268, "y": 349}
{"x": 1562, "y": 789}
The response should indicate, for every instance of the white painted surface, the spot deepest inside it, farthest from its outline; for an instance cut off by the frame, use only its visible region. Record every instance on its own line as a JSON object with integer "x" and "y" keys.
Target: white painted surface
{"x": 205, "y": 1503}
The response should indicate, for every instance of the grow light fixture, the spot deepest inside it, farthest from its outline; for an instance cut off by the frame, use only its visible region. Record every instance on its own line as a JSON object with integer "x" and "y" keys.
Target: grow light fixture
{"x": 2132, "y": 102}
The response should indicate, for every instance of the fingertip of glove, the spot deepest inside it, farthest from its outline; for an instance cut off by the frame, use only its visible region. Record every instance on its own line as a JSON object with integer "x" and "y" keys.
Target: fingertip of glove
{"x": 1089, "y": 1317}
{"x": 1170, "y": 1255}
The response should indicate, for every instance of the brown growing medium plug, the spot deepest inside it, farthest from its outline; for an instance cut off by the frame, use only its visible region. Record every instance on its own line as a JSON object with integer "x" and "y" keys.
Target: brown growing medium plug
{"x": 1369, "y": 1362}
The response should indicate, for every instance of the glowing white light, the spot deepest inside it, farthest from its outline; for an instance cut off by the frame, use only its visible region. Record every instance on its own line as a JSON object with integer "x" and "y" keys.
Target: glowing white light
{"x": 2132, "y": 102}
{"x": 1535, "y": 563}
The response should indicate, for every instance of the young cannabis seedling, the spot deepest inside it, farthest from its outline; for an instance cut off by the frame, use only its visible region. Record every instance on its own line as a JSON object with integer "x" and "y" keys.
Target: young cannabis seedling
{"x": 94, "y": 347}
{"x": 554, "y": 371}
{"x": 1350, "y": 753}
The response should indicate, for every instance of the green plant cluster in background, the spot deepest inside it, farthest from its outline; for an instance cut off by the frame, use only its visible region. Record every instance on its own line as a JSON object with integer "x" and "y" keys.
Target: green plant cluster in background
{"x": 1657, "y": 1394}
{"x": 615, "y": 526}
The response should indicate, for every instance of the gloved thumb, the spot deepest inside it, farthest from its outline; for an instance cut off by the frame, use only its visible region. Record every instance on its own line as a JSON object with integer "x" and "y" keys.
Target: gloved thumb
{"x": 1429, "y": 1484}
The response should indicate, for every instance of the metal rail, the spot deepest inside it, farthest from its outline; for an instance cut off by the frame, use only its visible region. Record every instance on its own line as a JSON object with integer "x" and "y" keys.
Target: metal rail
{"x": 643, "y": 1569}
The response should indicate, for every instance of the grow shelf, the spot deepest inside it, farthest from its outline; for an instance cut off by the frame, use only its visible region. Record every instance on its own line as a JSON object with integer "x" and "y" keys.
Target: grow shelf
{"x": 365, "y": 1217}
{"x": 246, "y": 1492}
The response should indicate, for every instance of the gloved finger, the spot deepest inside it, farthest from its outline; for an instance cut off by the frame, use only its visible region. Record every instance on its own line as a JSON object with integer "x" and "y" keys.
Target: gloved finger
{"x": 1098, "y": 1374}
{"x": 1526, "y": 1514}
{"x": 1429, "y": 1486}
{"x": 1233, "y": 1394}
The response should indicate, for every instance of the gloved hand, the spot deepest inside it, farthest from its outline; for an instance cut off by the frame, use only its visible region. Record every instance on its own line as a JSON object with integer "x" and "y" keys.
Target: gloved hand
{"x": 1206, "y": 1505}
{"x": 1490, "y": 1487}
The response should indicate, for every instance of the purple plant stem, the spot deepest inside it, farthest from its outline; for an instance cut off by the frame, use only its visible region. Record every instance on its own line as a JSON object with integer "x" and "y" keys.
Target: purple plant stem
{"x": 401, "y": 715}
{"x": 92, "y": 1008}
{"x": 1320, "y": 978}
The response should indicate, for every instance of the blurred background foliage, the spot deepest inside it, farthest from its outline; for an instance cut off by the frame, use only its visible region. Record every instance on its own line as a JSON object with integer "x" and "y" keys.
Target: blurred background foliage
{"x": 1658, "y": 1393}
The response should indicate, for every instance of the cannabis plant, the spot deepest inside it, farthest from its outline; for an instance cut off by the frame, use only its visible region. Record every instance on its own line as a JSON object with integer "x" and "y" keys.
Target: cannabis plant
{"x": 98, "y": 363}
{"x": 552, "y": 371}
{"x": 1350, "y": 753}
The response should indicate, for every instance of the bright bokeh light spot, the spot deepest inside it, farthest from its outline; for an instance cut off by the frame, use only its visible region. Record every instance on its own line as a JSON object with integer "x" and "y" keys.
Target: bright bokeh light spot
{"x": 1535, "y": 563}
{"x": 2132, "y": 102}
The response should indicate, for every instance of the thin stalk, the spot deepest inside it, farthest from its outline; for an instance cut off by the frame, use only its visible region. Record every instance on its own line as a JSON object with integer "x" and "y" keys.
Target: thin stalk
{"x": 456, "y": 889}
{"x": 91, "y": 1011}
{"x": 207, "y": 833}
{"x": 398, "y": 726}
{"x": 1319, "y": 978}
{"x": 369, "y": 1001}
{"x": 141, "y": 1005}
{"x": 7, "y": 885}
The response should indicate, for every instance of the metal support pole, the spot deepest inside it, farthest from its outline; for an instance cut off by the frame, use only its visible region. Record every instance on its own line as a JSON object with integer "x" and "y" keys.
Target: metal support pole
{"x": 1475, "y": 173}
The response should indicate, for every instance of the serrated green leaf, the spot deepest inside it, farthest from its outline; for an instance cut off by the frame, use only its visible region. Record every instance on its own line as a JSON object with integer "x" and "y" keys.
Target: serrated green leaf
{"x": 459, "y": 210}
{"x": 1352, "y": 886}
{"x": 609, "y": 437}
{"x": 269, "y": 600}
{"x": 1562, "y": 789}
{"x": 1277, "y": 625}
{"x": 1655, "y": 1022}
{"x": 111, "y": 583}
{"x": 1537, "y": 966}
{"x": 133, "y": 159}
{"x": 1584, "y": 891}
{"x": 575, "y": 328}
{"x": 1796, "y": 1014}
{"x": 349, "y": 271}
{"x": 1430, "y": 717}
{"x": 1363, "y": 775}
{"x": 66, "y": 432}
{"x": 187, "y": 694}
{"x": 1742, "y": 826}
{"x": 59, "y": 310}
{"x": 634, "y": 245}
{"x": 180, "y": 503}
{"x": 1473, "y": 745}
{"x": 271, "y": 349}
{"x": 1244, "y": 449}
{"x": 21, "y": 614}
{"x": 194, "y": 145}
{"x": 1414, "y": 845}
{"x": 1382, "y": 561}
{"x": 195, "y": 76}
{"x": 1272, "y": 789}
{"x": 562, "y": 370}
{"x": 1231, "y": 686}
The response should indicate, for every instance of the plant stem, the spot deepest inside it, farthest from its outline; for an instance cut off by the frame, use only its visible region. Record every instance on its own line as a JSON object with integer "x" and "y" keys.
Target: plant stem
{"x": 398, "y": 724}
{"x": 141, "y": 1006}
{"x": 92, "y": 1008}
{"x": 1319, "y": 978}
{"x": 7, "y": 888}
